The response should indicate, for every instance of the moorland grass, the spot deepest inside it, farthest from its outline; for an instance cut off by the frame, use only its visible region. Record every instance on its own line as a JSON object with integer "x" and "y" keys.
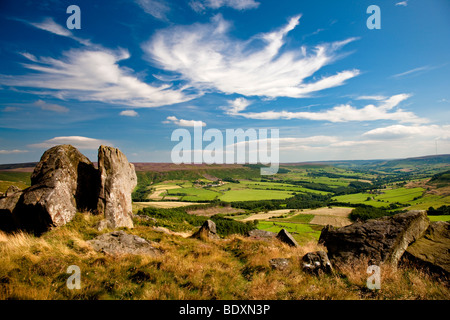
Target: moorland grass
{"x": 233, "y": 268}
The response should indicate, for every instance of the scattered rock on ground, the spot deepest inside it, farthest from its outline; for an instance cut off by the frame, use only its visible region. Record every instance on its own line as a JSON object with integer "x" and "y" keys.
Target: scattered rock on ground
{"x": 143, "y": 217}
{"x": 381, "y": 240}
{"x": 433, "y": 249}
{"x": 280, "y": 263}
{"x": 120, "y": 242}
{"x": 317, "y": 262}
{"x": 261, "y": 234}
{"x": 286, "y": 237}
{"x": 117, "y": 181}
{"x": 207, "y": 231}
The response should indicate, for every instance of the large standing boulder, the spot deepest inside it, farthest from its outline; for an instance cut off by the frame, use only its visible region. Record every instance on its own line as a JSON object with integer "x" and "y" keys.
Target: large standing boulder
{"x": 117, "y": 181}
{"x": 433, "y": 249}
{"x": 286, "y": 237}
{"x": 62, "y": 183}
{"x": 381, "y": 240}
{"x": 207, "y": 231}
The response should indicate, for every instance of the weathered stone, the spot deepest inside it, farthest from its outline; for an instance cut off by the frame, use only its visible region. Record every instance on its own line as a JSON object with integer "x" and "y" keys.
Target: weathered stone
{"x": 286, "y": 237}
{"x": 207, "y": 231}
{"x": 62, "y": 183}
{"x": 316, "y": 263}
{"x": 261, "y": 234}
{"x": 433, "y": 249}
{"x": 11, "y": 190}
{"x": 117, "y": 181}
{"x": 119, "y": 243}
{"x": 280, "y": 263}
{"x": 381, "y": 240}
{"x": 7, "y": 206}
{"x": 144, "y": 218}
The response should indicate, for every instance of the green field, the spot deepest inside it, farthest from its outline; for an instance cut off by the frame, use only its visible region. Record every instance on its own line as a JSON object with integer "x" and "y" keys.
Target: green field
{"x": 384, "y": 198}
{"x": 302, "y": 232}
{"x": 19, "y": 179}
{"x": 439, "y": 218}
{"x": 277, "y": 186}
{"x": 193, "y": 194}
{"x": 253, "y": 195}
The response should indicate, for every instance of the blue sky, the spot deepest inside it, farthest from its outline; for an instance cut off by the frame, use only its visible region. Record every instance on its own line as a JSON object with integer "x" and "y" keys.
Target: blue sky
{"x": 138, "y": 70}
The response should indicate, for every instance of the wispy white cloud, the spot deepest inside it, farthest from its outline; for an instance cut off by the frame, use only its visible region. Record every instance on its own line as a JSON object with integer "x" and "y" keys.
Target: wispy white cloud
{"x": 202, "y": 5}
{"x": 11, "y": 109}
{"x": 208, "y": 58}
{"x": 234, "y": 107}
{"x": 48, "y": 24}
{"x": 51, "y": 107}
{"x": 76, "y": 141}
{"x": 156, "y": 8}
{"x": 15, "y": 151}
{"x": 376, "y": 98}
{"x": 417, "y": 131}
{"x": 129, "y": 113}
{"x": 183, "y": 122}
{"x": 94, "y": 75}
{"x": 340, "y": 113}
{"x": 402, "y": 3}
{"x": 412, "y": 71}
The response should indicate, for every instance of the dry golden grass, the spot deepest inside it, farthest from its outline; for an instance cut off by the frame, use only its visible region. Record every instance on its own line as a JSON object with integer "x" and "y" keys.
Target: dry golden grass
{"x": 234, "y": 268}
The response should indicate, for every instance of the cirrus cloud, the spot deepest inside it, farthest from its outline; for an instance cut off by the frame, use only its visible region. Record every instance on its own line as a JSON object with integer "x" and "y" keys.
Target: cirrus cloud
{"x": 340, "y": 113}
{"x": 76, "y": 141}
{"x": 209, "y": 59}
{"x": 94, "y": 75}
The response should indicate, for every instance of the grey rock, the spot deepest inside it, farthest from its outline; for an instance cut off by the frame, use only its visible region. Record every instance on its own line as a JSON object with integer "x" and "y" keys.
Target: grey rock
{"x": 8, "y": 222}
{"x": 207, "y": 231}
{"x": 143, "y": 217}
{"x": 261, "y": 234}
{"x": 62, "y": 183}
{"x": 316, "y": 263}
{"x": 381, "y": 240}
{"x": 11, "y": 190}
{"x": 433, "y": 249}
{"x": 286, "y": 237}
{"x": 117, "y": 181}
{"x": 280, "y": 263}
{"x": 118, "y": 243}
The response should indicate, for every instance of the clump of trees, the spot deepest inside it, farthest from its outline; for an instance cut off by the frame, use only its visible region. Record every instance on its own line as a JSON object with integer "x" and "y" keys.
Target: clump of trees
{"x": 225, "y": 226}
{"x": 442, "y": 210}
{"x": 366, "y": 213}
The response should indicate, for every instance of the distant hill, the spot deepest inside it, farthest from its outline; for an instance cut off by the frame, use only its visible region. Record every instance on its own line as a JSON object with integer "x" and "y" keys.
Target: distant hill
{"x": 21, "y": 167}
{"x": 400, "y": 165}
{"x": 407, "y": 164}
{"x": 441, "y": 178}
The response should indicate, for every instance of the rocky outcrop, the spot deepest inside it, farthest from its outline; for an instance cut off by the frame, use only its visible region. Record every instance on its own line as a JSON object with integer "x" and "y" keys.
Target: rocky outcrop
{"x": 65, "y": 182}
{"x": 317, "y": 263}
{"x": 117, "y": 181}
{"x": 7, "y": 205}
{"x": 118, "y": 243}
{"x": 381, "y": 240}
{"x": 286, "y": 237}
{"x": 433, "y": 249}
{"x": 12, "y": 190}
{"x": 207, "y": 231}
{"x": 62, "y": 183}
